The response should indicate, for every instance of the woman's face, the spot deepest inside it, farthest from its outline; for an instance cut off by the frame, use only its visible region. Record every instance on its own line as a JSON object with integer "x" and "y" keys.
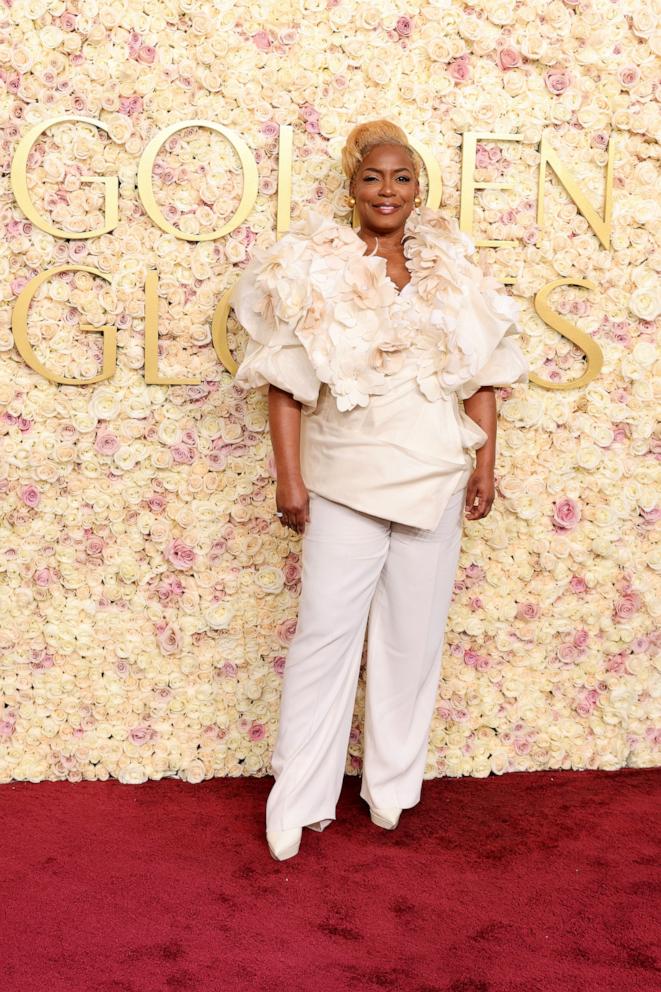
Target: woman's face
{"x": 385, "y": 188}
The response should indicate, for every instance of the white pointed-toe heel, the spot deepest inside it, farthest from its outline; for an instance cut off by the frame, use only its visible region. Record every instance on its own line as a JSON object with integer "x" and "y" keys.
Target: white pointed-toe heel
{"x": 386, "y": 818}
{"x": 284, "y": 844}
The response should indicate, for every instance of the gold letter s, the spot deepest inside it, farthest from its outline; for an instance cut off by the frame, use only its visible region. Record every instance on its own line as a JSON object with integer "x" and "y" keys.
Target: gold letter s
{"x": 593, "y": 352}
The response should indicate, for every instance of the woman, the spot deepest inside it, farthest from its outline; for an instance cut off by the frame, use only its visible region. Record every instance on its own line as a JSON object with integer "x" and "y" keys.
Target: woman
{"x": 366, "y": 341}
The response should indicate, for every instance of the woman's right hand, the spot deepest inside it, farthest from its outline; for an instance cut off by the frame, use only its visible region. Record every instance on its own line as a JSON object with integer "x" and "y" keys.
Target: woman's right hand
{"x": 293, "y": 501}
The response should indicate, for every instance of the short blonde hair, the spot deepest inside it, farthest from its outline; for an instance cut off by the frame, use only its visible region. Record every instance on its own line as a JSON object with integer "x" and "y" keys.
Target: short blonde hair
{"x": 364, "y": 137}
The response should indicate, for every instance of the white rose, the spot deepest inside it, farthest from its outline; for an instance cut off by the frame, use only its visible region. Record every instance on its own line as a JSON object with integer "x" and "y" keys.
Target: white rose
{"x": 645, "y": 304}
{"x": 588, "y": 457}
{"x": 169, "y": 432}
{"x": 234, "y": 250}
{"x": 644, "y": 354}
{"x": 218, "y": 616}
{"x": 133, "y": 774}
{"x": 643, "y": 22}
{"x": 270, "y": 579}
{"x": 194, "y": 773}
{"x": 105, "y": 404}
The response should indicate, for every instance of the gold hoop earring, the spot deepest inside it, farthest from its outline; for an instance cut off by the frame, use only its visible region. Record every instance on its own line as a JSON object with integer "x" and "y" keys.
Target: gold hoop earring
{"x": 351, "y": 200}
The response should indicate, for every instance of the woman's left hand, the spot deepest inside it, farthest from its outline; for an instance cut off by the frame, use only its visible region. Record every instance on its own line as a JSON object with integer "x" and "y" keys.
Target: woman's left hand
{"x": 480, "y": 488}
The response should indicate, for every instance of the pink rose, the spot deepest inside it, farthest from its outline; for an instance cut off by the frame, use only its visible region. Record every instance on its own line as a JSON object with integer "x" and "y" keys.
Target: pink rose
{"x": 95, "y": 546}
{"x": 130, "y": 105}
{"x": 41, "y": 659}
{"x": 566, "y": 514}
{"x": 279, "y": 664}
{"x": 216, "y": 461}
{"x": 157, "y": 503}
{"x": 557, "y": 81}
{"x": 477, "y": 661}
{"x": 179, "y": 554}
{"x": 140, "y": 735}
{"x": 581, "y": 638}
{"x": 567, "y": 653}
{"x": 261, "y": 40}
{"x": 169, "y": 639}
{"x": 626, "y": 606}
{"x": 629, "y": 76}
{"x": 404, "y": 26}
{"x": 182, "y": 454}
{"x": 30, "y": 495}
{"x": 43, "y": 577}
{"x": 584, "y": 707}
{"x": 616, "y": 664}
{"x": 147, "y": 54}
{"x": 509, "y": 58}
{"x": 527, "y": 611}
{"x": 257, "y": 732}
{"x": 170, "y": 588}
{"x": 578, "y": 584}
{"x": 292, "y": 573}
{"x": 482, "y": 157}
{"x": 308, "y": 112}
{"x": 286, "y": 630}
{"x": 217, "y": 551}
{"x": 599, "y": 140}
{"x": 198, "y": 390}
{"x": 460, "y": 69}
{"x": 106, "y": 443}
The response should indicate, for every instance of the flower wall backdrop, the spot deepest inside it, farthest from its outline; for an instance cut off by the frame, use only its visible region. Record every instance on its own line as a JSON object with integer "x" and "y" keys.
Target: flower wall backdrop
{"x": 148, "y": 593}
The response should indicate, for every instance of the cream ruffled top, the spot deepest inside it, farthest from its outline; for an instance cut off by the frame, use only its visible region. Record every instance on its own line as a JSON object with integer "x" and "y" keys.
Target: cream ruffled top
{"x": 379, "y": 373}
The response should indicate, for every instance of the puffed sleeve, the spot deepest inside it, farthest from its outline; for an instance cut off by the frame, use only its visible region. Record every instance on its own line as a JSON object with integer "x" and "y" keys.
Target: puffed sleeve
{"x": 270, "y": 299}
{"x": 480, "y": 322}
{"x": 489, "y": 326}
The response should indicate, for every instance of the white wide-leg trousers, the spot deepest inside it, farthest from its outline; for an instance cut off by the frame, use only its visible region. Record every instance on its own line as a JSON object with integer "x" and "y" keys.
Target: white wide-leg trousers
{"x": 358, "y": 567}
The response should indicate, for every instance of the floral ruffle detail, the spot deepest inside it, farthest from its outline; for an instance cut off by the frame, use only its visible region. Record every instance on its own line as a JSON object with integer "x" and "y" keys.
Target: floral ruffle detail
{"x": 316, "y": 291}
{"x": 469, "y": 313}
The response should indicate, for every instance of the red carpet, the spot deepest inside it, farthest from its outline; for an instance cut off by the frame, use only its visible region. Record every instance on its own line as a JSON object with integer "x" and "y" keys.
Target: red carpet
{"x": 526, "y": 882}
